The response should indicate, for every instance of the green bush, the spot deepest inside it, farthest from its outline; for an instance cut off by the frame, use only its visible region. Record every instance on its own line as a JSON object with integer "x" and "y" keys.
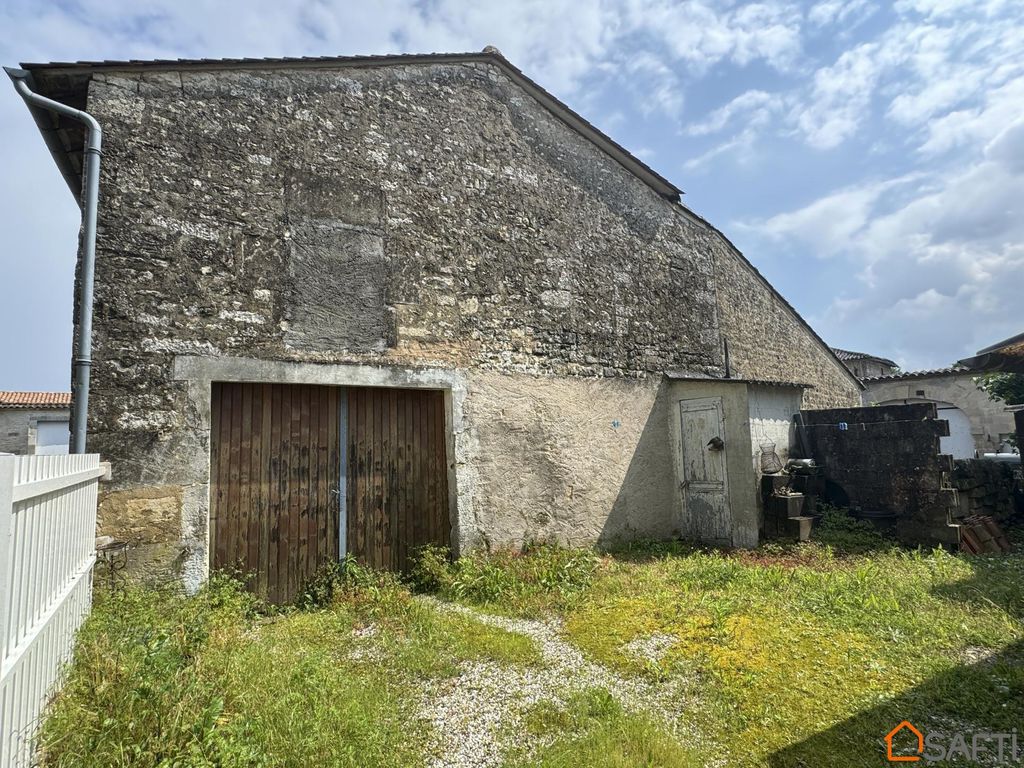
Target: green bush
{"x": 432, "y": 569}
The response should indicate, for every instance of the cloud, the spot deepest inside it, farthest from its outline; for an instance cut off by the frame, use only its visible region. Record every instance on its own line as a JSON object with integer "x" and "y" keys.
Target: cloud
{"x": 841, "y": 96}
{"x": 843, "y": 12}
{"x": 738, "y": 146}
{"x": 704, "y": 34}
{"x": 755, "y": 107}
{"x": 663, "y": 89}
{"x": 937, "y": 256}
{"x": 928, "y": 73}
{"x": 753, "y": 110}
{"x": 827, "y": 226}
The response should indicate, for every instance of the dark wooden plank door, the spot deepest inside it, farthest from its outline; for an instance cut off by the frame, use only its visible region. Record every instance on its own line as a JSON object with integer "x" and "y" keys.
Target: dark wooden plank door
{"x": 397, "y": 478}
{"x": 275, "y": 472}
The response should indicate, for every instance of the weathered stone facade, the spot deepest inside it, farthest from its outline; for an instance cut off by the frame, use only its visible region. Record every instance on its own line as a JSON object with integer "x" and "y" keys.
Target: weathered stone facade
{"x": 421, "y": 217}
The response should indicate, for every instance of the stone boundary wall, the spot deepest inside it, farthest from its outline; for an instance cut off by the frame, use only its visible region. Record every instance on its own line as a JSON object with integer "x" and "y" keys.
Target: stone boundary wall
{"x": 887, "y": 459}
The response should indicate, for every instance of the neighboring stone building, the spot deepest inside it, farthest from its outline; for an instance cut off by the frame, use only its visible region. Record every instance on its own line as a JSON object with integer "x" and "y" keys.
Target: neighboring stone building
{"x": 1006, "y": 356}
{"x": 526, "y": 327}
{"x": 34, "y": 422}
{"x": 864, "y": 366}
{"x": 977, "y": 423}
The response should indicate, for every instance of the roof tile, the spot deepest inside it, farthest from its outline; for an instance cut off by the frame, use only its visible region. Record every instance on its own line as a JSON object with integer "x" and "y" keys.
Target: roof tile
{"x": 34, "y": 399}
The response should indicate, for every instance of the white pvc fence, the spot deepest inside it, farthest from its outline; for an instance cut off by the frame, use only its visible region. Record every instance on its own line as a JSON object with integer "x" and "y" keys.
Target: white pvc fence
{"x": 47, "y": 548}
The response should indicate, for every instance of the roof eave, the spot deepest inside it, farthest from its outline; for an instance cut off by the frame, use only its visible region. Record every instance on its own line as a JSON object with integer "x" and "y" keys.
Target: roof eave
{"x": 44, "y": 121}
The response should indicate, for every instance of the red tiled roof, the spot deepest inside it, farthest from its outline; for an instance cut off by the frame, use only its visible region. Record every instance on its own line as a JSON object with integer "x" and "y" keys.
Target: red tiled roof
{"x": 35, "y": 399}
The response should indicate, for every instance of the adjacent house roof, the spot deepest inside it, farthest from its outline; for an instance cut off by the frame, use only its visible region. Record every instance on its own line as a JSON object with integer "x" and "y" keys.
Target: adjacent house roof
{"x": 35, "y": 399}
{"x": 847, "y": 356}
{"x": 1005, "y": 356}
{"x": 951, "y": 371}
{"x": 67, "y": 81}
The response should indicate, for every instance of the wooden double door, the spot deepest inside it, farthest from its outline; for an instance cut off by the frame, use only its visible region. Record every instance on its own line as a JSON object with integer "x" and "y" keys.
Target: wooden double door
{"x": 302, "y": 475}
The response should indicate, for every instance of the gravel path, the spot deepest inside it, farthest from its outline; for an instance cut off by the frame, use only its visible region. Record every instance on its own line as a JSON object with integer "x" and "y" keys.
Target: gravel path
{"x": 477, "y": 715}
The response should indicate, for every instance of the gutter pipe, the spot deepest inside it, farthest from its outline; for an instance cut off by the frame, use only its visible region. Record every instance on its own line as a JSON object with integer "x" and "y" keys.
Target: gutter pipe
{"x": 82, "y": 361}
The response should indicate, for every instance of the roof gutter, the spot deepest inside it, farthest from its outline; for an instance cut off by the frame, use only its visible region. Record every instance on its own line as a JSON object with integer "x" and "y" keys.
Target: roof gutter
{"x": 41, "y": 107}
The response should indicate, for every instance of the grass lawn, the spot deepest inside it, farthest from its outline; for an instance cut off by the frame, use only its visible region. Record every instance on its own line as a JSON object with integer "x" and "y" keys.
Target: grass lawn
{"x": 661, "y": 655}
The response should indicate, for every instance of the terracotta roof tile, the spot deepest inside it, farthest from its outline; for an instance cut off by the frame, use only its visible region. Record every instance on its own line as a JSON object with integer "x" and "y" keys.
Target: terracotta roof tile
{"x": 35, "y": 399}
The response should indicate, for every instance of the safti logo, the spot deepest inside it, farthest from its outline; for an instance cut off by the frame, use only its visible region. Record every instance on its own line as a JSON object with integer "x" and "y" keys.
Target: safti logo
{"x": 908, "y": 726}
{"x": 992, "y": 748}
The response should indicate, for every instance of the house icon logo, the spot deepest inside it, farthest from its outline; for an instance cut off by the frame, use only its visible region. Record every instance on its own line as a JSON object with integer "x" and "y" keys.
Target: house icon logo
{"x": 906, "y": 724}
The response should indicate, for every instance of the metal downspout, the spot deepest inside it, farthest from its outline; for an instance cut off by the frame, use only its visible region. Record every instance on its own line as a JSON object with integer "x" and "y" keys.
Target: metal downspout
{"x": 82, "y": 360}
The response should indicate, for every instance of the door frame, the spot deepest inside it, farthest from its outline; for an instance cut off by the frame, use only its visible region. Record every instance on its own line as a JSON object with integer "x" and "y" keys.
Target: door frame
{"x": 198, "y": 374}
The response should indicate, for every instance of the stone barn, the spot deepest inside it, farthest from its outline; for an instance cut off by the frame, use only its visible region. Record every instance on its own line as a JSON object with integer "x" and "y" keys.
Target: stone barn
{"x": 361, "y": 304}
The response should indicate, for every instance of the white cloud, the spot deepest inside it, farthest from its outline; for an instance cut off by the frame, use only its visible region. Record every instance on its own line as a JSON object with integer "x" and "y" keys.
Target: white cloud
{"x": 929, "y": 74}
{"x": 977, "y": 124}
{"x": 841, "y": 96}
{"x": 937, "y": 257}
{"x": 827, "y": 226}
{"x": 663, "y": 88}
{"x": 703, "y": 34}
{"x": 843, "y": 12}
{"x": 738, "y": 147}
{"x": 754, "y": 107}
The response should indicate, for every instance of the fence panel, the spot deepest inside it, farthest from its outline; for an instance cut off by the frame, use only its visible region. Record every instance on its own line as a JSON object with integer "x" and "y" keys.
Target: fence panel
{"x": 47, "y": 540}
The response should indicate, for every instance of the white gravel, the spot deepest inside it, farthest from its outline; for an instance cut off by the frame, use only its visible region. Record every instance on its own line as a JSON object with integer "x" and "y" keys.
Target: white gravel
{"x": 651, "y": 648}
{"x": 477, "y": 715}
{"x": 363, "y": 648}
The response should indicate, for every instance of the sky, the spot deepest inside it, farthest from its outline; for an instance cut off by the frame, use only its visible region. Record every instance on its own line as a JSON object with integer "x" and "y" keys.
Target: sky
{"x": 867, "y": 157}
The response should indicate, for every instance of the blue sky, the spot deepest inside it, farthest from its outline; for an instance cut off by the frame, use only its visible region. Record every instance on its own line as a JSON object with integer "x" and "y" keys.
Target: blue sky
{"x": 867, "y": 157}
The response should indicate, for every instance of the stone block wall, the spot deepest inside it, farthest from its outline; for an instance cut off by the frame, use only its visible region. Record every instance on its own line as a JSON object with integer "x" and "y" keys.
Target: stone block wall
{"x": 18, "y": 427}
{"x": 989, "y": 418}
{"x": 887, "y": 459}
{"x": 986, "y": 487}
{"x": 14, "y": 425}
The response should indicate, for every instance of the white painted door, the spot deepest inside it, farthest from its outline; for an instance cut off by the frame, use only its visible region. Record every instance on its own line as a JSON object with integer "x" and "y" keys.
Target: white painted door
{"x": 702, "y": 474}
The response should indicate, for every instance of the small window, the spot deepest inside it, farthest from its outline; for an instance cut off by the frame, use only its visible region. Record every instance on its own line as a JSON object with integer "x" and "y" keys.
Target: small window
{"x": 920, "y": 393}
